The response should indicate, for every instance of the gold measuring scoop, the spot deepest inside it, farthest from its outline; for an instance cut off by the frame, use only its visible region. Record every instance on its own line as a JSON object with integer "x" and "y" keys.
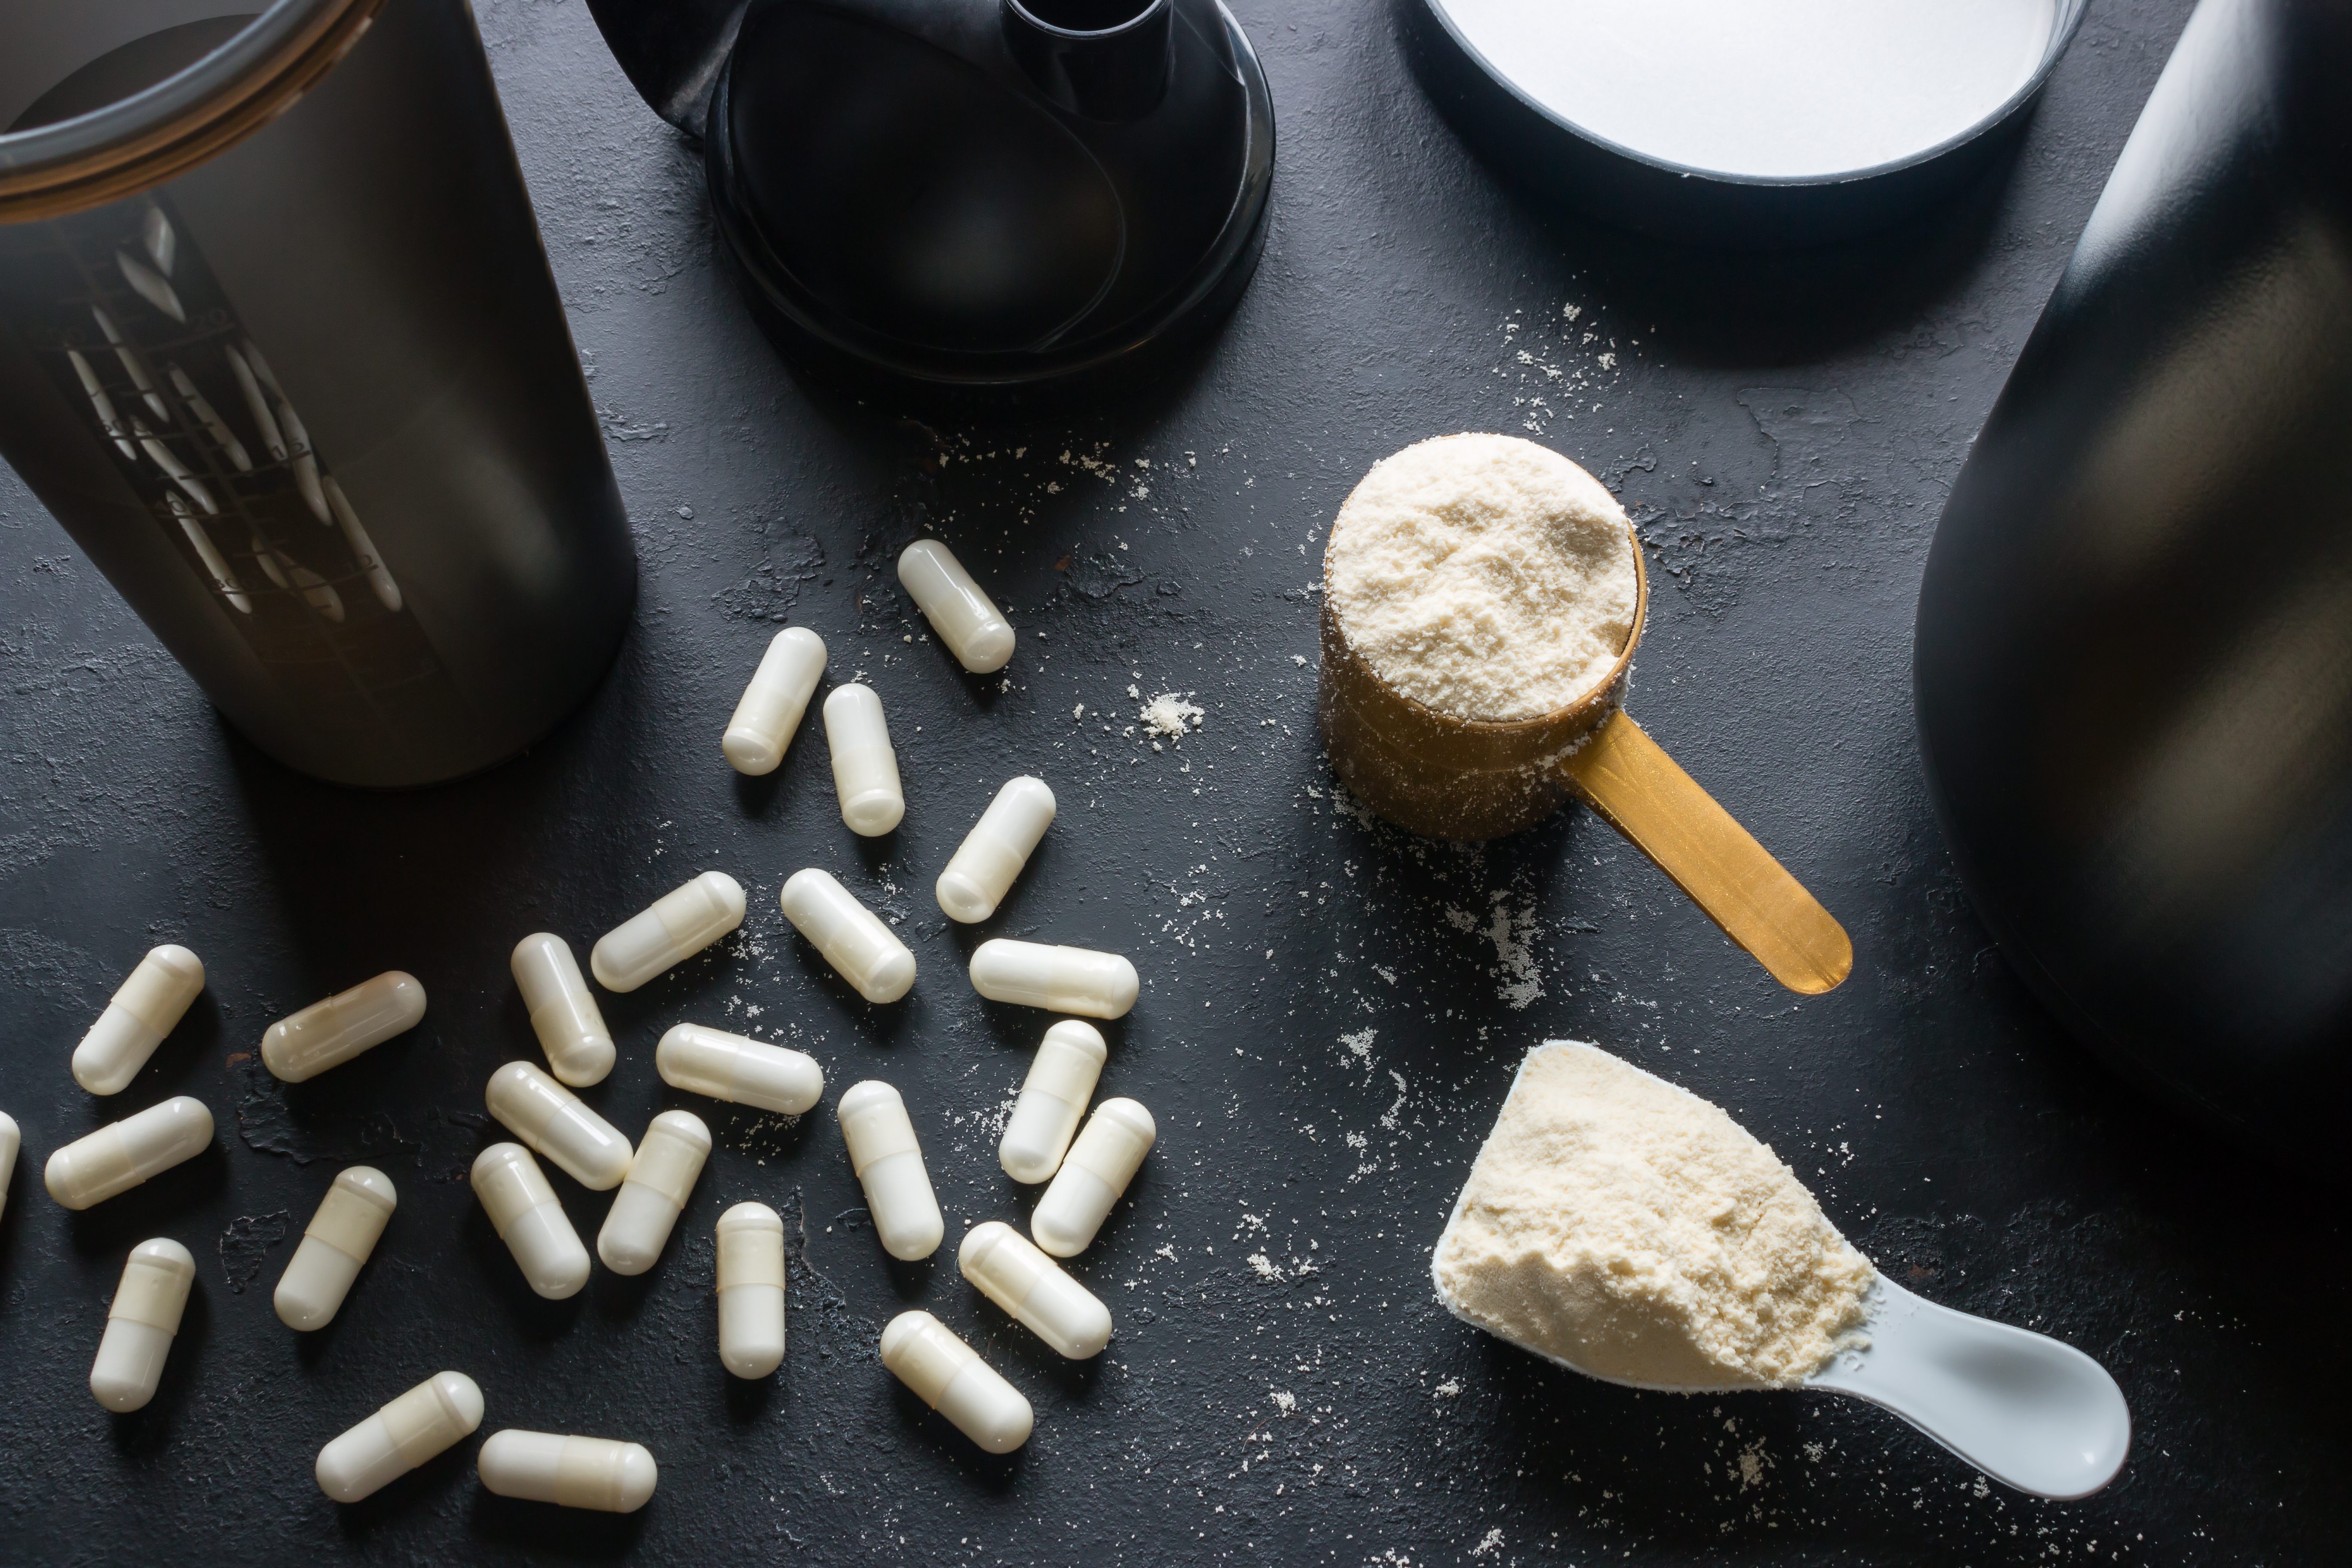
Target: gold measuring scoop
{"x": 1432, "y": 774}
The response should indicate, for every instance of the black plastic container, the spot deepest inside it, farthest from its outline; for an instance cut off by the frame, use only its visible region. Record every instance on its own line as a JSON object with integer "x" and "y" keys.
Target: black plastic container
{"x": 2133, "y": 657}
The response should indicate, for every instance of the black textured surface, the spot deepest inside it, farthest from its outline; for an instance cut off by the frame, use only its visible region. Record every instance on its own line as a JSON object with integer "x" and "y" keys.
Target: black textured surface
{"x": 1328, "y": 1021}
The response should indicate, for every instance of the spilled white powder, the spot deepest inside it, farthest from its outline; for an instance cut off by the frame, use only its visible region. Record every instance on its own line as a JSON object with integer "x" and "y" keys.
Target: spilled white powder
{"x": 1484, "y": 576}
{"x": 1168, "y": 714}
{"x": 1635, "y": 1232}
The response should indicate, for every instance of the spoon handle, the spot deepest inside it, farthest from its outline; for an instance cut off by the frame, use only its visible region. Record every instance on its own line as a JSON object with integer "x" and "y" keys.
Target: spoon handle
{"x": 1640, "y": 790}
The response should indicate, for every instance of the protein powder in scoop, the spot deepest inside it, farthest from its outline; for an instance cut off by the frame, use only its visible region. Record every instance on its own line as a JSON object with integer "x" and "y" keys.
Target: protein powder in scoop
{"x": 1484, "y": 576}
{"x": 1633, "y": 1231}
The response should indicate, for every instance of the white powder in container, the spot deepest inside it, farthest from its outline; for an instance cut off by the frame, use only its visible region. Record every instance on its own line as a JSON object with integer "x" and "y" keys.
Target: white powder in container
{"x": 1484, "y": 576}
{"x": 1633, "y": 1231}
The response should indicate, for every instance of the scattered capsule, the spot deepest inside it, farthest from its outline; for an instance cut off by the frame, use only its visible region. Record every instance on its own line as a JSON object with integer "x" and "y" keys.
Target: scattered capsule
{"x": 677, "y": 925}
{"x": 993, "y": 853}
{"x": 668, "y": 1159}
{"x": 1032, "y": 1290}
{"x": 949, "y": 1376}
{"x": 436, "y": 1413}
{"x": 330, "y": 1033}
{"x": 522, "y": 1206}
{"x": 570, "y": 1472}
{"x": 142, "y": 1324}
{"x": 562, "y": 1011}
{"x": 350, "y": 1221}
{"x": 555, "y": 1122}
{"x": 741, "y": 1072}
{"x": 864, "y": 768}
{"x": 966, "y": 620}
{"x": 888, "y": 1164}
{"x": 11, "y": 1141}
{"x": 773, "y": 704}
{"x": 1062, "y": 1078}
{"x": 1100, "y": 1164}
{"x": 1061, "y": 979}
{"x": 119, "y": 1156}
{"x": 853, "y": 938}
{"x": 751, "y": 1290}
{"x": 144, "y": 1009}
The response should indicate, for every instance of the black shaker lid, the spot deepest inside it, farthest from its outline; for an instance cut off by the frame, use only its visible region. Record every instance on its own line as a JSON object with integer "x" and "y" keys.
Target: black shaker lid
{"x": 980, "y": 193}
{"x": 1745, "y": 121}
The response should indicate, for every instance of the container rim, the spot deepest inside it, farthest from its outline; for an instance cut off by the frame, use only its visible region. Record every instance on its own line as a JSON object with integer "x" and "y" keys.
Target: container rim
{"x": 185, "y": 120}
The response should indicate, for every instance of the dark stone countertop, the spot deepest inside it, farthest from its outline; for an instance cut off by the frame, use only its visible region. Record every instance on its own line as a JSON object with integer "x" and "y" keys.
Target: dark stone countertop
{"x": 1332, "y": 1010}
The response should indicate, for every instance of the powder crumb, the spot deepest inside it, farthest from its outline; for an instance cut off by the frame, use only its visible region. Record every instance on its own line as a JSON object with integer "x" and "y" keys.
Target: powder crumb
{"x": 1168, "y": 714}
{"x": 1284, "y": 1401}
{"x": 1484, "y": 576}
{"x": 1630, "y": 1229}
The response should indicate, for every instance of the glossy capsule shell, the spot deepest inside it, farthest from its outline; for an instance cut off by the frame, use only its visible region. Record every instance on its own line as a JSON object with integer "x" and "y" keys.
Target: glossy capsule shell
{"x": 1033, "y": 1291}
{"x": 330, "y": 1033}
{"x": 668, "y": 1159}
{"x": 1062, "y": 1078}
{"x": 888, "y": 1164}
{"x": 142, "y": 1324}
{"x": 864, "y": 768}
{"x": 1093, "y": 1177}
{"x": 435, "y": 1414}
{"x": 949, "y": 1376}
{"x": 336, "y": 1242}
{"x": 11, "y": 1139}
{"x": 595, "y": 1473}
{"x": 563, "y": 1010}
{"x": 965, "y": 618}
{"x": 726, "y": 1067}
{"x": 673, "y": 929}
{"x": 851, "y": 936}
{"x": 773, "y": 705}
{"x": 119, "y": 1156}
{"x": 146, "y": 1008}
{"x": 556, "y": 1122}
{"x": 522, "y": 1208}
{"x": 992, "y": 855}
{"x": 751, "y": 1290}
{"x": 1059, "y": 979}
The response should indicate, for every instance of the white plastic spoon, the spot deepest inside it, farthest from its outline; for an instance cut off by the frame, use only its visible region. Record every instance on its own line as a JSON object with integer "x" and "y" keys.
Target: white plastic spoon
{"x": 2026, "y": 1410}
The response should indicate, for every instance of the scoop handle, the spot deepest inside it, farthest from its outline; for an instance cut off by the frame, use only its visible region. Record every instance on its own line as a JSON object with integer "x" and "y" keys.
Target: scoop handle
{"x": 1640, "y": 790}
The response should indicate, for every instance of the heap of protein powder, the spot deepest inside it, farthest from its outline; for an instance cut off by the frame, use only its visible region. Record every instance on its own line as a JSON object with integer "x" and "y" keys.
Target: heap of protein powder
{"x": 1633, "y": 1231}
{"x": 1484, "y": 576}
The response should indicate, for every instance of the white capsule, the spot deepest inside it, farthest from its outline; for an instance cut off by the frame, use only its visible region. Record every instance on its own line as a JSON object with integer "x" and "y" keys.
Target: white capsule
{"x": 741, "y": 1072}
{"x": 773, "y": 705}
{"x": 144, "y": 1009}
{"x": 1033, "y": 1291}
{"x": 330, "y": 1033}
{"x": 751, "y": 1290}
{"x": 888, "y": 1164}
{"x": 966, "y": 620}
{"x": 1061, "y": 979}
{"x": 11, "y": 1141}
{"x": 678, "y": 924}
{"x": 429, "y": 1418}
{"x": 864, "y": 768}
{"x": 668, "y": 1159}
{"x": 555, "y": 1122}
{"x": 121, "y": 1154}
{"x": 992, "y": 855}
{"x": 350, "y": 1221}
{"x": 1062, "y": 1078}
{"x": 853, "y": 938}
{"x": 570, "y": 1472}
{"x": 522, "y": 1207}
{"x": 141, "y": 1323}
{"x": 563, "y": 1010}
{"x": 949, "y": 1376}
{"x": 1100, "y": 1164}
